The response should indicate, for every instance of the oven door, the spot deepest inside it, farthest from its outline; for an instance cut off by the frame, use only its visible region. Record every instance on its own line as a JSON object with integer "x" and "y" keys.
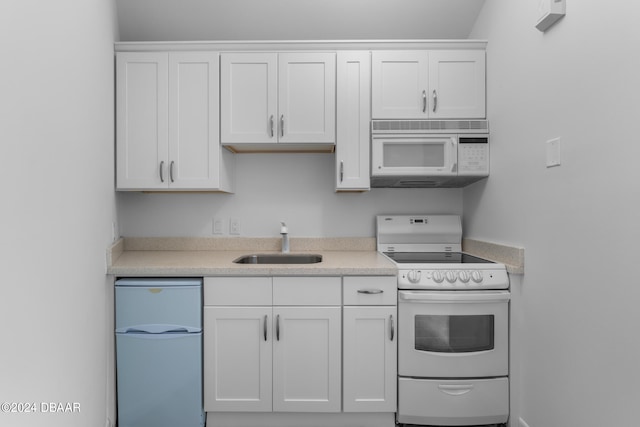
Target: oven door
{"x": 456, "y": 334}
{"x": 414, "y": 155}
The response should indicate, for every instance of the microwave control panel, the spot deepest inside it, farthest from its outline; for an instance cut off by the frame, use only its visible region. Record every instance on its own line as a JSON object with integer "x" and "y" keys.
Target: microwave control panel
{"x": 473, "y": 156}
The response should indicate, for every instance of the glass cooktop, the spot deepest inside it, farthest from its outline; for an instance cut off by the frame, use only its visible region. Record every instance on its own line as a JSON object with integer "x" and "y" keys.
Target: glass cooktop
{"x": 435, "y": 258}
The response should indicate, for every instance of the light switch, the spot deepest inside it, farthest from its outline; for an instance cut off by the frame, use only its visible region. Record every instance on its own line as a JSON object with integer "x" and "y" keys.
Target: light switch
{"x": 553, "y": 152}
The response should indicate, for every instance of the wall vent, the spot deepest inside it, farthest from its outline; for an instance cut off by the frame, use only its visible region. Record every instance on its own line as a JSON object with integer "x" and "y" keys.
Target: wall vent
{"x": 434, "y": 126}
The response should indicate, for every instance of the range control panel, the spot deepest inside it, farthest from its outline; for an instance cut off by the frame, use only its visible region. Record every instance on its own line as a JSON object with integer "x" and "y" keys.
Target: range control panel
{"x": 460, "y": 279}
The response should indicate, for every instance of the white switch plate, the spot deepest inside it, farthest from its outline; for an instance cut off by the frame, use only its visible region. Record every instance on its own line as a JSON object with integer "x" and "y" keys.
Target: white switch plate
{"x": 553, "y": 152}
{"x": 234, "y": 226}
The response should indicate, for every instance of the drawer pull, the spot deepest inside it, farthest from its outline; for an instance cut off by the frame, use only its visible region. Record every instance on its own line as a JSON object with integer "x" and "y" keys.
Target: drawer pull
{"x": 370, "y": 291}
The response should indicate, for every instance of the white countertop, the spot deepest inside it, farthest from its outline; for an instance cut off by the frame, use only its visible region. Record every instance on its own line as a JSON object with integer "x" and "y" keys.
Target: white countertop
{"x": 214, "y": 257}
{"x": 202, "y": 256}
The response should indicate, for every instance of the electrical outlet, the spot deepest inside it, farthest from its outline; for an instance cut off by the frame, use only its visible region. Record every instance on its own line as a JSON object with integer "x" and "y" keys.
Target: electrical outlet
{"x": 234, "y": 226}
{"x": 217, "y": 226}
{"x": 522, "y": 423}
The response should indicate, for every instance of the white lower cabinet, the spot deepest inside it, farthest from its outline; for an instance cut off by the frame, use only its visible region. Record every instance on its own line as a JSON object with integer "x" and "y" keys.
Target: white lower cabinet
{"x": 268, "y": 348}
{"x": 370, "y": 344}
{"x": 306, "y": 359}
{"x": 238, "y": 358}
{"x": 369, "y": 359}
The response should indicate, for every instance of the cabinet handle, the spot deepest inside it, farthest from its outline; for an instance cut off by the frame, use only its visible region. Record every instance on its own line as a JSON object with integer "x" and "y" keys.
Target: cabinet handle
{"x": 278, "y": 327}
{"x": 392, "y": 328}
{"x": 424, "y": 101}
{"x": 370, "y": 291}
{"x": 161, "y": 171}
{"x": 341, "y": 170}
{"x": 271, "y": 126}
{"x": 265, "y": 327}
{"x": 171, "y": 171}
{"x": 435, "y": 100}
{"x": 282, "y": 125}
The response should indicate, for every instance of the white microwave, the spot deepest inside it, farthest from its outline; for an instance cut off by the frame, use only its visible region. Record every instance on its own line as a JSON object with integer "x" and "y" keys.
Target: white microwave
{"x": 428, "y": 153}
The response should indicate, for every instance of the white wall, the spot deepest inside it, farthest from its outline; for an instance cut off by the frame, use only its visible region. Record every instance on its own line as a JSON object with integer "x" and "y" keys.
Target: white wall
{"x": 296, "y": 188}
{"x": 166, "y": 20}
{"x": 56, "y": 151}
{"x": 576, "y": 309}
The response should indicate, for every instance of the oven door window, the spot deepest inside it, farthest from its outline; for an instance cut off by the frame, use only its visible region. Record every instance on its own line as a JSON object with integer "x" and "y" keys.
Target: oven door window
{"x": 454, "y": 334}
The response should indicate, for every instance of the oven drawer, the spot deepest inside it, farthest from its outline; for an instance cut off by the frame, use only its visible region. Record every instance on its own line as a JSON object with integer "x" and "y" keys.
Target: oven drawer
{"x": 453, "y": 402}
{"x": 370, "y": 290}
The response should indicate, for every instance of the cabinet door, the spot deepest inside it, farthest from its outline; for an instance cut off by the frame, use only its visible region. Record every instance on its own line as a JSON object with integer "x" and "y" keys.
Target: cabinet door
{"x": 142, "y": 120}
{"x": 307, "y": 356}
{"x": 237, "y": 358}
{"x": 370, "y": 359}
{"x": 307, "y": 99}
{"x": 353, "y": 117}
{"x": 457, "y": 84}
{"x": 194, "y": 148}
{"x": 399, "y": 84}
{"x": 248, "y": 97}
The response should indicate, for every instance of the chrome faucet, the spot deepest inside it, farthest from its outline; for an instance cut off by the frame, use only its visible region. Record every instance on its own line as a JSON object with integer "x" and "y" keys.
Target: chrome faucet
{"x": 285, "y": 238}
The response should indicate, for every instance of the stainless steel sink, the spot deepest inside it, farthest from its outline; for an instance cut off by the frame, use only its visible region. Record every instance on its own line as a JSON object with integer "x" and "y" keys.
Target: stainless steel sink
{"x": 279, "y": 259}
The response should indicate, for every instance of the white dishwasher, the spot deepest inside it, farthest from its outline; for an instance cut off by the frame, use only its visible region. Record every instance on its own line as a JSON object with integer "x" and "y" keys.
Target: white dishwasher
{"x": 159, "y": 352}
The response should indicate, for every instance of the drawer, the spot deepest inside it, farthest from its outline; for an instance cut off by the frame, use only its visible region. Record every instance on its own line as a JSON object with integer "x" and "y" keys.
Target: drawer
{"x": 453, "y": 402}
{"x": 242, "y": 291}
{"x": 307, "y": 291}
{"x": 370, "y": 290}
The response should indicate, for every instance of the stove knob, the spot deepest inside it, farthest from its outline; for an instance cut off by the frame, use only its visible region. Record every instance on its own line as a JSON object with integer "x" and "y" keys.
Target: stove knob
{"x": 463, "y": 276}
{"x": 451, "y": 276}
{"x": 476, "y": 276}
{"x": 414, "y": 276}
{"x": 437, "y": 277}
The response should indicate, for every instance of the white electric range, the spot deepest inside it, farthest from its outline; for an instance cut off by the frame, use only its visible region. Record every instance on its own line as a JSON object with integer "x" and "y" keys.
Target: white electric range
{"x": 453, "y": 324}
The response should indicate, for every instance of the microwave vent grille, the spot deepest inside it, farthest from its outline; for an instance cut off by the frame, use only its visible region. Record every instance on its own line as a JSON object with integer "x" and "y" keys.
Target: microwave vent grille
{"x": 429, "y": 126}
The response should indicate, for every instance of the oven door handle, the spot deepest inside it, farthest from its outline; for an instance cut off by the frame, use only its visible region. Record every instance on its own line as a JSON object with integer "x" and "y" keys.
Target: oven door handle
{"x": 426, "y": 297}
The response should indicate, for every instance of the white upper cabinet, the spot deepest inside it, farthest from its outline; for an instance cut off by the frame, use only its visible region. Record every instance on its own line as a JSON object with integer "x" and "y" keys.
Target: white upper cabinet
{"x": 142, "y": 113}
{"x": 249, "y": 97}
{"x": 353, "y": 118}
{"x": 286, "y": 98}
{"x": 436, "y": 84}
{"x": 168, "y": 121}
